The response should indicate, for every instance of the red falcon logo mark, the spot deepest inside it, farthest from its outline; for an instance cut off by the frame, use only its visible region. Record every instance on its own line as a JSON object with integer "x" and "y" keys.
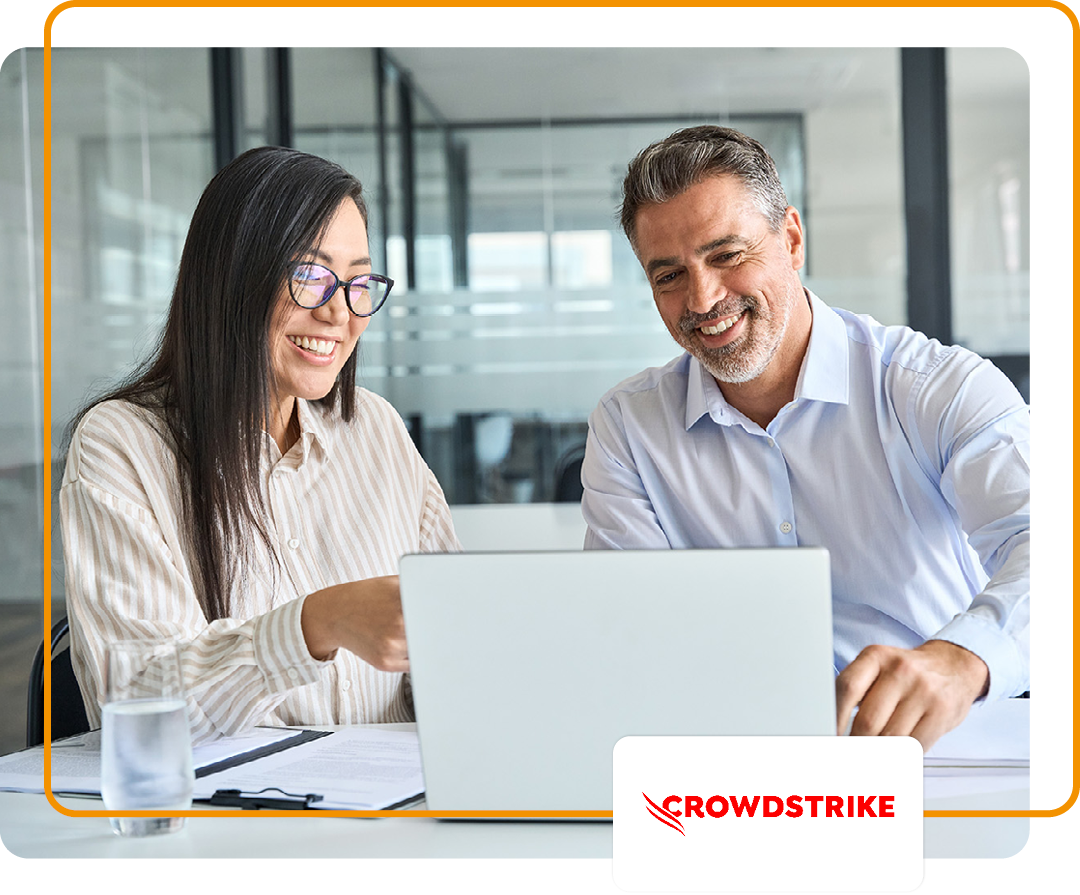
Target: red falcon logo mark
{"x": 664, "y": 816}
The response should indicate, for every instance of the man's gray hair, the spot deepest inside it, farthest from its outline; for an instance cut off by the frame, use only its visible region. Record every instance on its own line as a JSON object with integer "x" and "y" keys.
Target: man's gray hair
{"x": 665, "y": 169}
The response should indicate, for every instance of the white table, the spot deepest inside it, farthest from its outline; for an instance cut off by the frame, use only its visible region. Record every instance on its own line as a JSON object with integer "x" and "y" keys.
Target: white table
{"x": 978, "y": 837}
{"x": 31, "y": 828}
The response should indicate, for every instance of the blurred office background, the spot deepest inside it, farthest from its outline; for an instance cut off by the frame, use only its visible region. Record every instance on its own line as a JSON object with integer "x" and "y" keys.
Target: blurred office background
{"x": 493, "y": 177}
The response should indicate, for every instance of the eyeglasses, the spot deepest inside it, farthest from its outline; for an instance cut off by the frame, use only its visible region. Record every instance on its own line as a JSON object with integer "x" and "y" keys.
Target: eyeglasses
{"x": 312, "y": 285}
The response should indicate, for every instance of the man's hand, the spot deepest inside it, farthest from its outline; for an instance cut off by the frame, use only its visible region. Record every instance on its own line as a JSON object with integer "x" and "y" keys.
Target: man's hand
{"x": 923, "y": 692}
{"x": 363, "y": 617}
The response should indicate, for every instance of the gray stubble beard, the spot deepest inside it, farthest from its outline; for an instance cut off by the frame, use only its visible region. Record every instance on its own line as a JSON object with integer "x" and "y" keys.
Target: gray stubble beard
{"x": 728, "y": 363}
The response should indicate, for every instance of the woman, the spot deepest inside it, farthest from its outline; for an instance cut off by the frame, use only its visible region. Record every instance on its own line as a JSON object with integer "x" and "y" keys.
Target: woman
{"x": 239, "y": 493}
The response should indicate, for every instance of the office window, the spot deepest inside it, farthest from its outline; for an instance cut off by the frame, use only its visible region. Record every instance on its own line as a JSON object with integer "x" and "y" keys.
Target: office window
{"x": 21, "y": 383}
{"x": 508, "y": 262}
{"x": 517, "y": 295}
{"x": 131, "y": 153}
{"x": 854, "y": 206}
{"x": 561, "y": 183}
{"x": 498, "y": 380}
{"x": 582, "y": 259}
{"x": 334, "y": 116}
{"x": 988, "y": 103}
{"x": 433, "y": 245}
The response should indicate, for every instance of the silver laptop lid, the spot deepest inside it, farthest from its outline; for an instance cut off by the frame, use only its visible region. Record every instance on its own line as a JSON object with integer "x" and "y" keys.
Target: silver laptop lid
{"x": 527, "y": 668}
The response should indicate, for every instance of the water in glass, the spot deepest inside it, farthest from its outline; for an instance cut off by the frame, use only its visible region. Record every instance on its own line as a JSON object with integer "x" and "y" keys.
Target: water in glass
{"x": 145, "y": 739}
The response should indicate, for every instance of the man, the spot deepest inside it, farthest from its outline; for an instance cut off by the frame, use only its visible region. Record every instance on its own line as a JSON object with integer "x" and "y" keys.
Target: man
{"x": 787, "y": 423}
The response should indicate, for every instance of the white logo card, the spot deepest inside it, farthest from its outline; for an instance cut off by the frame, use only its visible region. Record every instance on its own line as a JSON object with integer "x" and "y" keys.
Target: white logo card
{"x": 768, "y": 814}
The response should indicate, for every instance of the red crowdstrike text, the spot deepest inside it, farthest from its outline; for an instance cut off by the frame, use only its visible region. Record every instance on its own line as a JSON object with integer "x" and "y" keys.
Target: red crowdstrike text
{"x": 775, "y": 806}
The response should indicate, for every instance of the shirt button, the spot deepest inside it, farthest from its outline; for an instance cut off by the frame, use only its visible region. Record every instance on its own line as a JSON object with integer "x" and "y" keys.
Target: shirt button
{"x": 772, "y": 443}
{"x": 785, "y": 527}
{"x": 294, "y": 543}
{"x": 293, "y": 674}
{"x": 346, "y": 685}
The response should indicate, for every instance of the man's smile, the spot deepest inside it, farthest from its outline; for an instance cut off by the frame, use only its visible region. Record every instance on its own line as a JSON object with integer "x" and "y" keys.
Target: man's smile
{"x": 716, "y": 327}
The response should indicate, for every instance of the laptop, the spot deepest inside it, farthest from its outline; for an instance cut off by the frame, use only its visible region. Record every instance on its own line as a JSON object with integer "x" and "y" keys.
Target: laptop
{"x": 527, "y": 668}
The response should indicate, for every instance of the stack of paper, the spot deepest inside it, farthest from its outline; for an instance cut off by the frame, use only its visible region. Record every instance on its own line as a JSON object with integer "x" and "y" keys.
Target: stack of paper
{"x": 992, "y": 736}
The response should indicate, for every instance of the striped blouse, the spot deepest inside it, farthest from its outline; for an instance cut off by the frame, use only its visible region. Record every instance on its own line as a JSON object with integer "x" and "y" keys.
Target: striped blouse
{"x": 344, "y": 504}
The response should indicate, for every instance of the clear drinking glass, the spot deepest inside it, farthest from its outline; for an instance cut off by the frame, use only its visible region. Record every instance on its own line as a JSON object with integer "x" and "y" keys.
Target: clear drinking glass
{"x": 145, "y": 737}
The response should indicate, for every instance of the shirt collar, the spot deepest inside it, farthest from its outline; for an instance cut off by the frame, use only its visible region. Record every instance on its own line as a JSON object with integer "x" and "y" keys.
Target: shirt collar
{"x": 823, "y": 376}
{"x": 824, "y": 373}
{"x": 314, "y": 427}
{"x": 703, "y": 395}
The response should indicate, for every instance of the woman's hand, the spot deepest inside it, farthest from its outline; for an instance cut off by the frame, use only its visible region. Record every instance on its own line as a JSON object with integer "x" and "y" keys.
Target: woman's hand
{"x": 363, "y": 617}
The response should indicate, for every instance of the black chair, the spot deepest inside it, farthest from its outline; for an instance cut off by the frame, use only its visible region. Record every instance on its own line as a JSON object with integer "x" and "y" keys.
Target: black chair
{"x": 568, "y": 487}
{"x": 68, "y": 713}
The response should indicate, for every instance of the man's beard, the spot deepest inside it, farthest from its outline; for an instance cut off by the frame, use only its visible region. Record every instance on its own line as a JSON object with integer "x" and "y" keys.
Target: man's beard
{"x": 744, "y": 359}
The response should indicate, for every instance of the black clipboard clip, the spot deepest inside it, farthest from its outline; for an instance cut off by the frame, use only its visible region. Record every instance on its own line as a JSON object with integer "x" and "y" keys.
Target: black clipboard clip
{"x": 235, "y": 798}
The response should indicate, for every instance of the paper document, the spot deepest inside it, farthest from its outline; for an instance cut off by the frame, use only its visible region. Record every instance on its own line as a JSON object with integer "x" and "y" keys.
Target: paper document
{"x": 994, "y": 735}
{"x": 76, "y": 767}
{"x": 76, "y": 761}
{"x": 355, "y": 768}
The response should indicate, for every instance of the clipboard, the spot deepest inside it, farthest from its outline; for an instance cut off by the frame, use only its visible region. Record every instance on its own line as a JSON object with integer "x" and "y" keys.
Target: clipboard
{"x": 235, "y": 798}
{"x": 287, "y": 801}
{"x": 352, "y": 768}
{"x": 302, "y": 736}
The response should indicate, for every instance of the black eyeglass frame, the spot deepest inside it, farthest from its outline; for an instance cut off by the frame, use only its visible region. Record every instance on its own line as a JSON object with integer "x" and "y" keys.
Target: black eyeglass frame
{"x": 339, "y": 283}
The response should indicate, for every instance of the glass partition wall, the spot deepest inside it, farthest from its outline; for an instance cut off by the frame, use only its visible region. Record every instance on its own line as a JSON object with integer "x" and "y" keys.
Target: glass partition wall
{"x": 131, "y": 151}
{"x": 499, "y": 374}
{"x": 21, "y": 384}
{"x": 518, "y": 302}
{"x": 989, "y": 157}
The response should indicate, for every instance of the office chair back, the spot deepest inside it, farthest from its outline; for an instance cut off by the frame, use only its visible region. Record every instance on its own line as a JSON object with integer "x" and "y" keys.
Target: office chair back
{"x": 68, "y": 713}
{"x": 568, "y": 487}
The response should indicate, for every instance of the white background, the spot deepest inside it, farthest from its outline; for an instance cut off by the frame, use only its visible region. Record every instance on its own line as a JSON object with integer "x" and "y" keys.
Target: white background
{"x": 1043, "y": 35}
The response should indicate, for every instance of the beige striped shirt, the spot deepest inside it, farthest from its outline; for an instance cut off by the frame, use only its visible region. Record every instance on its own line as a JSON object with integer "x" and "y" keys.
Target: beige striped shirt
{"x": 344, "y": 504}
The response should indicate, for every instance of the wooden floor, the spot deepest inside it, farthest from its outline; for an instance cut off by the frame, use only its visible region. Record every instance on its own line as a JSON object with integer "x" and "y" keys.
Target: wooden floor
{"x": 20, "y": 635}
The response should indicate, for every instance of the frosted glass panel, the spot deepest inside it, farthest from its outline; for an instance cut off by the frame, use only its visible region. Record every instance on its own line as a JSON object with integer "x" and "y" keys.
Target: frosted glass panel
{"x": 989, "y": 178}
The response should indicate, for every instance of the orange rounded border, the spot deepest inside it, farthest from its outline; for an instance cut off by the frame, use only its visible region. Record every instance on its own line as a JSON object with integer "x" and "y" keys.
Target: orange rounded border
{"x": 47, "y": 466}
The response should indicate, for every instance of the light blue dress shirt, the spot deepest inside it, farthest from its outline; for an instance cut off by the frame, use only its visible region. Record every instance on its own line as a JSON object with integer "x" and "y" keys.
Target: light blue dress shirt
{"x": 906, "y": 459}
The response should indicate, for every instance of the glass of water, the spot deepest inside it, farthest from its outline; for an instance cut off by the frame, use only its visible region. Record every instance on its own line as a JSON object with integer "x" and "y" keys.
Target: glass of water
{"x": 145, "y": 737}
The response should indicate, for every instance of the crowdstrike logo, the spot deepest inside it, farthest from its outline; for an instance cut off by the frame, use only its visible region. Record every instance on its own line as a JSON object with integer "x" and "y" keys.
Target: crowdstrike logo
{"x": 849, "y": 807}
{"x": 709, "y": 813}
{"x": 665, "y": 817}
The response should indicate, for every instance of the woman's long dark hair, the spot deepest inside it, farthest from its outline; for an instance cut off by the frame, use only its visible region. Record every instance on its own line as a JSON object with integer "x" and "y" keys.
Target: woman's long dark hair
{"x": 209, "y": 383}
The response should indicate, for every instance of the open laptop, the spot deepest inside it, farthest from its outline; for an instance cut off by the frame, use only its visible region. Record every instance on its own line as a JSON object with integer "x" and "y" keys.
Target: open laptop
{"x": 527, "y": 668}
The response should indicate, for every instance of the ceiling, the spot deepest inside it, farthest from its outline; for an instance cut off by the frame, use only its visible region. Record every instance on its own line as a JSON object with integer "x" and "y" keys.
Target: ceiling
{"x": 569, "y": 82}
{"x": 493, "y": 84}
{"x": 484, "y": 84}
